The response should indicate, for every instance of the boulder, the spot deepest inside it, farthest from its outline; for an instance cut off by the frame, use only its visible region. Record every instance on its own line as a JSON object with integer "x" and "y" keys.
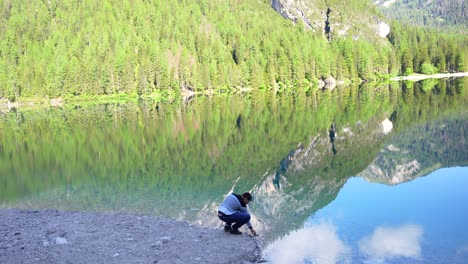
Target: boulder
{"x": 330, "y": 83}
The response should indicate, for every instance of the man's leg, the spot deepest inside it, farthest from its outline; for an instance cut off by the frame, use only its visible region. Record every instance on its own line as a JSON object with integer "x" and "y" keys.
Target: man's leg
{"x": 239, "y": 219}
{"x": 227, "y": 221}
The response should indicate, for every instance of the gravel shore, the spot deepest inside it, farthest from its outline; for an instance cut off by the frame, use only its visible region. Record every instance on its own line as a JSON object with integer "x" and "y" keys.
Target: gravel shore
{"x": 52, "y": 236}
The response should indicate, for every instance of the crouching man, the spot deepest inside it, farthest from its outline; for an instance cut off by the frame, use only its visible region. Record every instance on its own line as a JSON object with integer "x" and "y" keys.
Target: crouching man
{"x": 233, "y": 211}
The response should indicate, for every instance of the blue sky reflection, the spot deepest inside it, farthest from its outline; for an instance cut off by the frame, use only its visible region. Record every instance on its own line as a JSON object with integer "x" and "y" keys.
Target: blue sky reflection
{"x": 422, "y": 221}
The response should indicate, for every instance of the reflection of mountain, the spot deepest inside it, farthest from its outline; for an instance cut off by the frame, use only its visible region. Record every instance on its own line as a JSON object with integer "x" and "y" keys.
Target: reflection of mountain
{"x": 420, "y": 150}
{"x": 311, "y": 175}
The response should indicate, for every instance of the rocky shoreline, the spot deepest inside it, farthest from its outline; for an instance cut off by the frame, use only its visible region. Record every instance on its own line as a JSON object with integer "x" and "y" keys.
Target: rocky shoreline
{"x": 328, "y": 83}
{"x": 52, "y": 236}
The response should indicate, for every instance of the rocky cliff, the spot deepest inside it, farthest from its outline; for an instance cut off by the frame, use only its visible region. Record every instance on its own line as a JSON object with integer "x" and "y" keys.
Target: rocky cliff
{"x": 335, "y": 19}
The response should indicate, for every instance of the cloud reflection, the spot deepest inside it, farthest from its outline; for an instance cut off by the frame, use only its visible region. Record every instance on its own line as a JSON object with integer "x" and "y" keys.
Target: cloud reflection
{"x": 461, "y": 254}
{"x": 318, "y": 244}
{"x": 391, "y": 242}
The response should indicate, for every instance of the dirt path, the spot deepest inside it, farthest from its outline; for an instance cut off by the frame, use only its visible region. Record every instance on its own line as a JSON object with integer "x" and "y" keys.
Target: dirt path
{"x": 51, "y": 236}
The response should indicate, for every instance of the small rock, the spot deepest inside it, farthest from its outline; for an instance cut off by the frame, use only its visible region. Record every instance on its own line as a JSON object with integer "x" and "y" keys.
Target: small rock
{"x": 165, "y": 239}
{"x": 61, "y": 241}
{"x": 116, "y": 255}
{"x": 51, "y": 231}
{"x": 46, "y": 243}
{"x": 158, "y": 243}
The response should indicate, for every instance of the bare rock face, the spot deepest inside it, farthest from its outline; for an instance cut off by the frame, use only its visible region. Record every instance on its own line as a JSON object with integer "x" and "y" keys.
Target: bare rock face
{"x": 334, "y": 20}
{"x": 278, "y": 6}
{"x": 330, "y": 83}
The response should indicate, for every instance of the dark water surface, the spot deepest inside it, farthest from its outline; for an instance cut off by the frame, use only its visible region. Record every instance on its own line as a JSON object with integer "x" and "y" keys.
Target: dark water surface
{"x": 370, "y": 174}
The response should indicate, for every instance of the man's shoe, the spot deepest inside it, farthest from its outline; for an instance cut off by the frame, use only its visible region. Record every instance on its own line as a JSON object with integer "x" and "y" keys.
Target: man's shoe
{"x": 227, "y": 229}
{"x": 236, "y": 232}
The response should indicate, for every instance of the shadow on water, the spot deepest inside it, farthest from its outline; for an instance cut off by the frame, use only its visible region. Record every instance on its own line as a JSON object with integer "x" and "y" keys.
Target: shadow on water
{"x": 293, "y": 151}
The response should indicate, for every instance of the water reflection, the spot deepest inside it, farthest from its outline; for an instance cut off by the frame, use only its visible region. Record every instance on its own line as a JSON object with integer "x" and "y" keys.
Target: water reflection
{"x": 294, "y": 152}
{"x": 321, "y": 244}
{"x": 313, "y": 244}
{"x": 392, "y": 242}
{"x": 422, "y": 221}
{"x": 461, "y": 254}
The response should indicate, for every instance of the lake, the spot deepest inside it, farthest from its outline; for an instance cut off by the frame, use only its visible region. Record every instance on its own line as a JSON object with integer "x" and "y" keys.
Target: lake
{"x": 361, "y": 174}
{"x": 422, "y": 221}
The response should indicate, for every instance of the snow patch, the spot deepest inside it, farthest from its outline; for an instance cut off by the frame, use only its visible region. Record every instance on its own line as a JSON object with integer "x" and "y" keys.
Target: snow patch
{"x": 384, "y": 29}
{"x": 388, "y": 3}
{"x": 387, "y": 126}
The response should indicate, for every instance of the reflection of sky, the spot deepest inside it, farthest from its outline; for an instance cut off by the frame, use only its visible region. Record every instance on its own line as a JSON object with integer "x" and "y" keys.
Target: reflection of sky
{"x": 318, "y": 244}
{"x": 422, "y": 221}
{"x": 392, "y": 242}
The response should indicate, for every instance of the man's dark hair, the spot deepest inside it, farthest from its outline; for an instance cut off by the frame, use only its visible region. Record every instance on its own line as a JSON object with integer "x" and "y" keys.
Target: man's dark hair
{"x": 247, "y": 195}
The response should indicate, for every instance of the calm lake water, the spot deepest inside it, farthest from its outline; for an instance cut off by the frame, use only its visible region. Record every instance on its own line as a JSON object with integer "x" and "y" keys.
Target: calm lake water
{"x": 422, "y": 221}
{"x": 370, "y": 174}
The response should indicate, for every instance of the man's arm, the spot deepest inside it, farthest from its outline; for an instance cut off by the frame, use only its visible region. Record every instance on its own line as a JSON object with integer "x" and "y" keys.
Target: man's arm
{"x": 249, "y": 224}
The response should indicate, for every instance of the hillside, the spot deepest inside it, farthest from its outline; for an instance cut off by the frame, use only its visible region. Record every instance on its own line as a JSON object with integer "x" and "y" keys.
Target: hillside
{"x": 445, "y": 14}
{"x": 148, "y": 48}
{"x": 358, "y": 19}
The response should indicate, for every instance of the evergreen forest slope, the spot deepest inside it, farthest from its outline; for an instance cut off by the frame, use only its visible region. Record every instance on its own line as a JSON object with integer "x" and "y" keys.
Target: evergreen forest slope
{"x": 444, "y": 14}
{"x": 70, "y": 48}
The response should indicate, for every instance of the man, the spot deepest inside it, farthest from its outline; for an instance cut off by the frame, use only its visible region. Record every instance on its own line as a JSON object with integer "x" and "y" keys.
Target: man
{"x": 234, "y": 210}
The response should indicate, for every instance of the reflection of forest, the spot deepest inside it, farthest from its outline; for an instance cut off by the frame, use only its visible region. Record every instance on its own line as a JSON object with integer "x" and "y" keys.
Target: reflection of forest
{"x": 179, "y": 160}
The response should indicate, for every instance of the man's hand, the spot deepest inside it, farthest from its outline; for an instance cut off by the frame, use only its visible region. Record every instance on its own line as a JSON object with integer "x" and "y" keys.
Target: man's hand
{"x": 253, "y": 232}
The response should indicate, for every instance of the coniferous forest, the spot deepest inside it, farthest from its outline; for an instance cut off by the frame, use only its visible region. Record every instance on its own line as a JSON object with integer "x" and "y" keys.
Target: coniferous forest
{"x": 68, "y": 48}
{"x": 442, "y": 14}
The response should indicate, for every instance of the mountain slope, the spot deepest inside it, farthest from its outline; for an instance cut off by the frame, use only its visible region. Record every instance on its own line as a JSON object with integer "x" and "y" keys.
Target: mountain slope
{"x": 336, "y": 19}
{"x": 150, "y": 48}
{"x": 435, "y": 13}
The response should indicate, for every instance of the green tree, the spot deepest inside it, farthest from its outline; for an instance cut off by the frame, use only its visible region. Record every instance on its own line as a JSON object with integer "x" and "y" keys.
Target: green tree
{"x": 428, "y": 68}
